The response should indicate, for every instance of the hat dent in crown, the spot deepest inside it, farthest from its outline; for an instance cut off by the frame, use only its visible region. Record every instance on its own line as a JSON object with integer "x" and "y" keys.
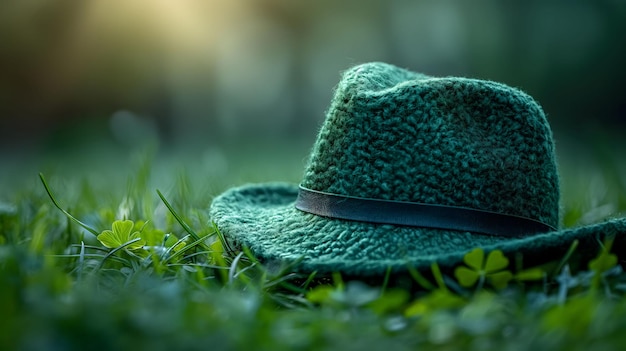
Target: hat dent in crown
{"x": 394, "y": 135}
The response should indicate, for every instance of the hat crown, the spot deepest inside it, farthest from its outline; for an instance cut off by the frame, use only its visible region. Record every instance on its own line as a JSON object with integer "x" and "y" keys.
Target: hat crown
{"x": 397, "y": 135}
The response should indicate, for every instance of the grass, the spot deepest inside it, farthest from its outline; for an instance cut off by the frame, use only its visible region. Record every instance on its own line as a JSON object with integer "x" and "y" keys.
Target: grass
{"x": 166, "y": 280}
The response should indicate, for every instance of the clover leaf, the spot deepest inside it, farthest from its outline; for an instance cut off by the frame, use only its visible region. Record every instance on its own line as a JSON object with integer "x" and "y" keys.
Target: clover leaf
{"x": 468, "y": 276}
{"x": 122, "y": 232}
{"x": 496, "y": 261}
{"x": 477, "y": 268}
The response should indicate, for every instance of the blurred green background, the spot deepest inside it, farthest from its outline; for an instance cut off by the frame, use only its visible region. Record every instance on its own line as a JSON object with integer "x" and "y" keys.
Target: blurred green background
{"x": 114, "y": 99}
{"x": 214, "y": 77}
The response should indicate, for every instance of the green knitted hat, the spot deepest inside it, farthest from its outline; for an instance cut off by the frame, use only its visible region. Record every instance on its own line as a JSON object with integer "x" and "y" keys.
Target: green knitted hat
{"x": 409, "y": 170}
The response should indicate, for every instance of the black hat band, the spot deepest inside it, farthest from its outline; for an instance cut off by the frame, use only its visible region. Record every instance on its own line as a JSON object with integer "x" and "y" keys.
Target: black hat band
{"x": 417, "y": 214}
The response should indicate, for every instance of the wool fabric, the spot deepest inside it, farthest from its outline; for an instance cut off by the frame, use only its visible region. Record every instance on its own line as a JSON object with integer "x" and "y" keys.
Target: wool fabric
{"x": 393, "y": 134}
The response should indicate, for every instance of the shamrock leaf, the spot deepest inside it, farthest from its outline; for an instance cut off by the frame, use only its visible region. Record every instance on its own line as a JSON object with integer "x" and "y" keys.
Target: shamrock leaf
{"x": 121, "y": 233}
{"x": 466, "y": 277}
{"x": 499, "y": 280}
{"x": 478, "y": 268}
{"x": 474, "y": 259}
{"x": 496, "y": 261}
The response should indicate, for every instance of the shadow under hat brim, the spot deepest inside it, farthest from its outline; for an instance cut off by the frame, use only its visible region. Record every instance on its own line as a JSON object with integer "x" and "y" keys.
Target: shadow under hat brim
{"x": 263, "y": 218}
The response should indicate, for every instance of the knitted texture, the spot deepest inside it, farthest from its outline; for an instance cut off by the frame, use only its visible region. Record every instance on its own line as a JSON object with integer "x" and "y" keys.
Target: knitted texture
{"x": 397, "y": 135}
{"x": 263, "y": 217}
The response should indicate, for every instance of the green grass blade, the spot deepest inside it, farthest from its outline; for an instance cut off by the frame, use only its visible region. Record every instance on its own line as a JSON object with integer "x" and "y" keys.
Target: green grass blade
{"x": 54, "y": 201}
{"x": 249, "y": 255}
{"x": 187, "y": 248}
{"x": 245, "y": 269}
{"x": 221, "y": 238}
{"x": 419, "y": 278}
{"x": 200, "y": 265}
{"x": 308, "y": 280}
{"x": 169, "y": 249}
{"x": 283, "y": 281}
{"x": 121, "y": 247}
{"x": 81, "y": 260}
{"x": 438, "y": 276}
{"x": 285, "y": 284}
{"x": 233, "y": 268}
{"x": 91, "y": 247}
{"x": 386, "y": 280}
{"x": 338, "y": 281}
{"x": 180, "y": 220}
{"x": 565, "y": 258}
{"x": 204, "y": 254}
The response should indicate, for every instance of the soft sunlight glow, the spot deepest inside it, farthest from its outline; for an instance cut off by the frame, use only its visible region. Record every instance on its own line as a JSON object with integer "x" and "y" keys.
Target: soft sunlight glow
{"x": 174, "y": 27}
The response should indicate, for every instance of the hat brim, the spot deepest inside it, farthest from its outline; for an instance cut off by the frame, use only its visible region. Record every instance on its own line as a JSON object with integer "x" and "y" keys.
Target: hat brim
{"x": 263, "y": 218}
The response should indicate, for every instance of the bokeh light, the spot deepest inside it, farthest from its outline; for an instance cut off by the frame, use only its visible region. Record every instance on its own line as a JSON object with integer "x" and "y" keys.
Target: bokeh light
{"x": 214, "y": 71}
